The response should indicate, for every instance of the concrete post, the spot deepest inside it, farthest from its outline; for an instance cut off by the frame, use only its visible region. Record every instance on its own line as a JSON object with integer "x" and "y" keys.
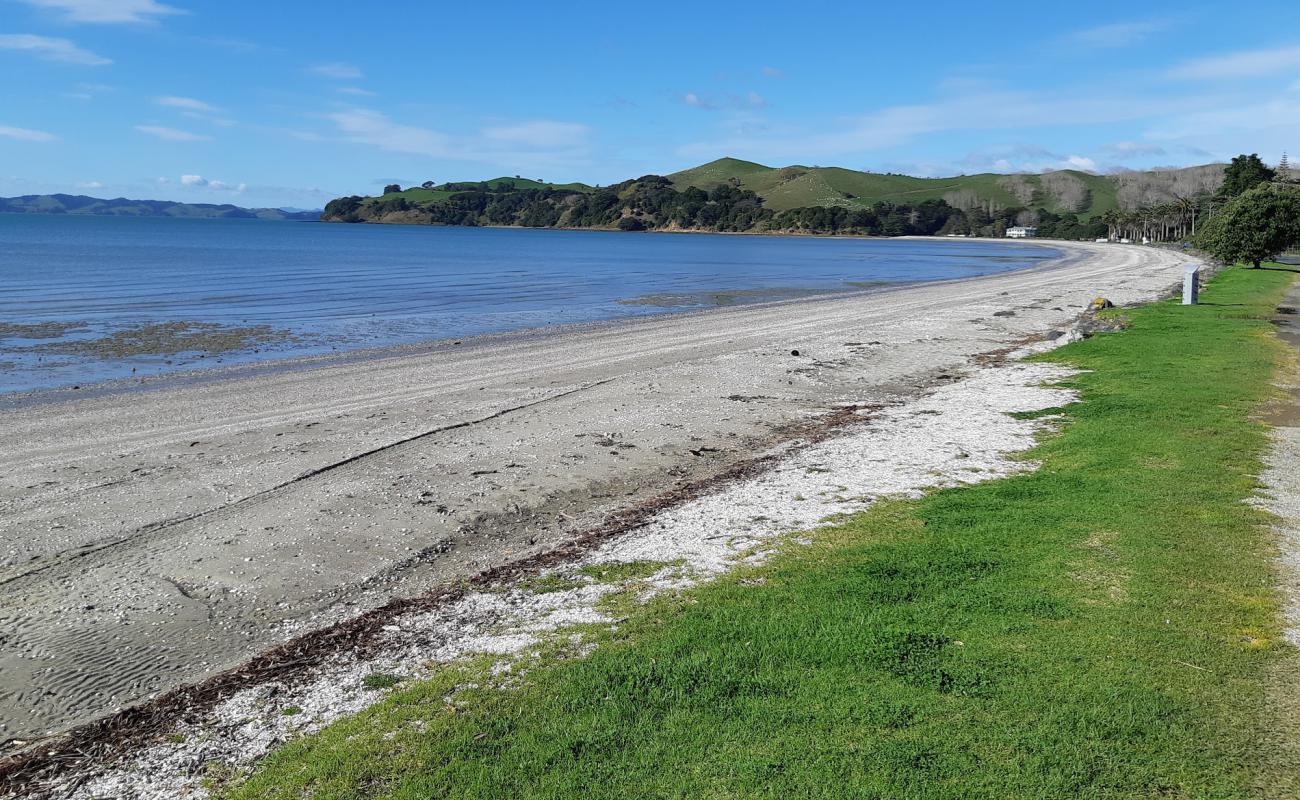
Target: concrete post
{"x": 1191, "y": 285}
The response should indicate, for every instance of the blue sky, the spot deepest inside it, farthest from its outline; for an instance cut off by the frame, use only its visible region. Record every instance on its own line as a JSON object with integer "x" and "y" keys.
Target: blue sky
{"x": 290, "y": 103}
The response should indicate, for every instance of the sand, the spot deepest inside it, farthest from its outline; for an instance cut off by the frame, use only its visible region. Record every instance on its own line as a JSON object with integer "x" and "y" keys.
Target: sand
{"x": 152, "y": 536}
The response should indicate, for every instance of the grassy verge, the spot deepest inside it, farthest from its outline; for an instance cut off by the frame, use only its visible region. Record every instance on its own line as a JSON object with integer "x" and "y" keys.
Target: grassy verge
{"x": 1103, "y": 627}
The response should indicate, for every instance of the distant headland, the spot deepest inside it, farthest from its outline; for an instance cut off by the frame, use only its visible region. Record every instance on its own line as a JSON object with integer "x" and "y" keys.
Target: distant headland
{"x": 122, "y": 207}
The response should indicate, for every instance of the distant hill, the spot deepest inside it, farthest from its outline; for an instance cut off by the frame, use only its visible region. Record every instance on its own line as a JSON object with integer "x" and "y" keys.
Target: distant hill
{"x": 1064, "y": 191}
{"x": 122, "y": 207}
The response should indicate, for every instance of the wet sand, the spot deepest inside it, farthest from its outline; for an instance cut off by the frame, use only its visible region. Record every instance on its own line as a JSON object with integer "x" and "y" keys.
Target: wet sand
{"x": 154, "y": 536}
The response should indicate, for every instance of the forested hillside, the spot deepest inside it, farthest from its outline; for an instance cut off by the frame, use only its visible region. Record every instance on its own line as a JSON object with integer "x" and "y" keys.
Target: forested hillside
{"x": 730, "y": 195}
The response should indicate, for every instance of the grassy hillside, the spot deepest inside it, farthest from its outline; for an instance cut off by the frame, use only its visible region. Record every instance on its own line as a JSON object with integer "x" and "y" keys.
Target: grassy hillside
{"x": 798, "y": 186}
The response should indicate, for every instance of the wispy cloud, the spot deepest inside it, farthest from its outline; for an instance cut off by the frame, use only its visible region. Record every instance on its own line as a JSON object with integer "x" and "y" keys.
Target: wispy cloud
{"x": 90, "y": 185}
{"x": 773, "y": 72}
{"x": 706, "y": 102}
{"x": 1134, "y": 149}
{"x": 187, "y": 103}
{"x": 1242, "y": 64}
{"x": 107, "y": 11}
{"x": 171, "y": 134}
{"x": 1119, "y": 34}
{"x": 198, "y": 181}
{"x": 51, "y": 49}
{"x": 530, "y": 144}
{"x": 26, "y": 134}
{"x": 336, "y": 70}
{"x": 1015, "y": 158}
{"x": 540, "y": 134}
{"x": 373, "y": 128}
{"x": 989, "y": 110}
{"x": 355, "y": 91}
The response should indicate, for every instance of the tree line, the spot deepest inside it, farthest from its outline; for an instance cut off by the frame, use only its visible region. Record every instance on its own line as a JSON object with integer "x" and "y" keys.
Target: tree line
{"x": 651, "y": 202}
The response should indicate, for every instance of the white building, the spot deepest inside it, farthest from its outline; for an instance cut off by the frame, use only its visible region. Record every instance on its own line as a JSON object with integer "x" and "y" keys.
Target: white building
{"x": 1022, "y": 232}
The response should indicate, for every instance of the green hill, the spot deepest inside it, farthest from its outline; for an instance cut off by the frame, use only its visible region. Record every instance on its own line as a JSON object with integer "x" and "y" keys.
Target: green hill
{"x": 420, "y": 195}
{"x": 1064, "y": 191}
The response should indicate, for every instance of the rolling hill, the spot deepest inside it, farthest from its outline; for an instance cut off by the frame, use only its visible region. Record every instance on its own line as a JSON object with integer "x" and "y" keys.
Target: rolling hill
{"x": 122, "y": 207}
{"x": 1063, "y": 191}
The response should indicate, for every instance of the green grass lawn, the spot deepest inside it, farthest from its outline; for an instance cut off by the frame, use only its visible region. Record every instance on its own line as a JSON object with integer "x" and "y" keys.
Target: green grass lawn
{"x": 1105, "y": 626}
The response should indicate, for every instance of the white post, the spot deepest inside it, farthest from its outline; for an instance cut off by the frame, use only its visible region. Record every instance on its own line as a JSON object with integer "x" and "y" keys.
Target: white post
{"x": 1191, "y": 284}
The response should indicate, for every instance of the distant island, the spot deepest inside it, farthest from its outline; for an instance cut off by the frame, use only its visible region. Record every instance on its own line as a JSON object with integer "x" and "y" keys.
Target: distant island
{"x": 122, "y": 207}
{"x": 731, "y": 195}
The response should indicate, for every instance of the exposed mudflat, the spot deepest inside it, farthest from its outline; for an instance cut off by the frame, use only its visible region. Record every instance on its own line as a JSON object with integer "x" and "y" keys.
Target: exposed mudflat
{"x": 154, "y": 536}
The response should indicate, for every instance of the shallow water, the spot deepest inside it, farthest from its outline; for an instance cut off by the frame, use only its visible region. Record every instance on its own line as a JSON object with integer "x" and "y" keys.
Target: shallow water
{"x": 108, "y": 294}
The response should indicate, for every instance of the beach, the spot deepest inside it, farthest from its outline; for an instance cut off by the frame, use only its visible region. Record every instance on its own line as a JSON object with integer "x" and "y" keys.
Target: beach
{"x": 156, "y": 535}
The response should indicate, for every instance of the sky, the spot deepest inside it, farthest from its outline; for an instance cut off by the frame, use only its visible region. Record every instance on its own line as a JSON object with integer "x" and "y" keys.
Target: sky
{"x": 289, "y": 103}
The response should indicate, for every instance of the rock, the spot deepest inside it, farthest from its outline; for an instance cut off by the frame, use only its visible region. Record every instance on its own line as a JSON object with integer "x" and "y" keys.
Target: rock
{"x": 794, "y": 352}
{"x": 1099, "y": 303}
{"x": 1004, "y": 313}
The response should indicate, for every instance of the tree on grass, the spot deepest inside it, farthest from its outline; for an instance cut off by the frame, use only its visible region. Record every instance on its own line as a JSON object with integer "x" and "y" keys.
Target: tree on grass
{"x": 391, "y": 188}
{"x": 1253, "y": 227}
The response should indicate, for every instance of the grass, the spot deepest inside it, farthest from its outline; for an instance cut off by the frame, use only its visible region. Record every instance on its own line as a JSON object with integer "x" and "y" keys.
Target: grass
{"x": 798, "y": 186}
{"x": 1103, "y": 627}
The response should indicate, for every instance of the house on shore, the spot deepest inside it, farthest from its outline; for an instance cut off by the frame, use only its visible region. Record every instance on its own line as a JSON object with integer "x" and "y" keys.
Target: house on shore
{"x": 1022, "y": 232}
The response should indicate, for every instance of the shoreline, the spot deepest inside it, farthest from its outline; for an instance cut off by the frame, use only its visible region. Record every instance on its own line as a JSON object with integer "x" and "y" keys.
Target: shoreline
{"x": 126, "y": 386}
{"x": 392, "y": 477}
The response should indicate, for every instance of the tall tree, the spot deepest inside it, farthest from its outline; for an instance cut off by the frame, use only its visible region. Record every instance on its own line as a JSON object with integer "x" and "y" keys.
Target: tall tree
{"x": 1255, "y": 226}
{"x": 1244, "y": 173}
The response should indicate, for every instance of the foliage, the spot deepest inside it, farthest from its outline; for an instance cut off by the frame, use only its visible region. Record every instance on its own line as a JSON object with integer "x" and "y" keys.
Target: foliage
{"x": 392, "y": 188}
{"x": 1102, "y": 627}
{"x": 652, "y": 202}
{"x": 1245, "y": 173}
{"x": 1255, "y": 226}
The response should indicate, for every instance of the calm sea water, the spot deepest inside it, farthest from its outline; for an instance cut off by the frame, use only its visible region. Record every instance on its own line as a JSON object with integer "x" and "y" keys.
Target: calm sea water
{"x": 323, "y": 288}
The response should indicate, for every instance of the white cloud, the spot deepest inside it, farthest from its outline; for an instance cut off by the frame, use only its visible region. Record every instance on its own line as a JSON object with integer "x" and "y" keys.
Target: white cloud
{"x": 336, "y": 70}
{"x": 373, "y": 128}
{"x": 90, "y": 185}
{"x": 107, "y": 11}
{"x": 1120, "y": 34}
{"x": 355, "y": 91}
{"x": 989, "y": 110}
{"x": 750, "y": 100}
{"x": 529, "y": 145}
{"x": 1081, "y": 162}
{"x": 171, "y": 134}
{"x": 695, "y": 101}
{"x": 26, "y": 134}
{"x": 1134, "y": 149}
{"x": 188, "y": 103}
{"x": 200, "y": 182}
{"x": 51, "y": 49}
{"x": 1243, "y": 64}
{"x": 540, "y": 134}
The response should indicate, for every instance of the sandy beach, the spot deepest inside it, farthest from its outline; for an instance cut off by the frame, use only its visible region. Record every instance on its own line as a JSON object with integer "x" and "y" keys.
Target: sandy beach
{"x": 150, "y": 537}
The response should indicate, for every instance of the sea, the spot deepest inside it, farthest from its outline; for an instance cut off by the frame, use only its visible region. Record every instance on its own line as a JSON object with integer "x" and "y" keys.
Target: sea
{"x": 86, "y": 299}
